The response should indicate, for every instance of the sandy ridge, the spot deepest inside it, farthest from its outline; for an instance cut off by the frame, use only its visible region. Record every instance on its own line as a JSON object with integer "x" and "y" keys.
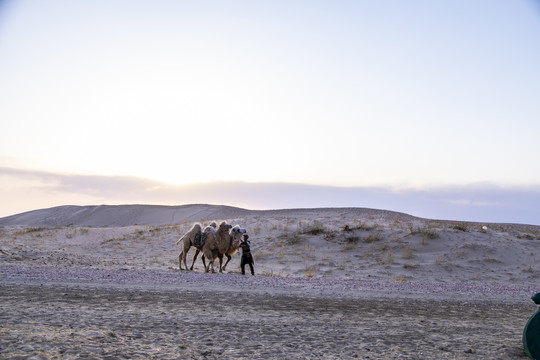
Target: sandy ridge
{"x": 119, "y": 215}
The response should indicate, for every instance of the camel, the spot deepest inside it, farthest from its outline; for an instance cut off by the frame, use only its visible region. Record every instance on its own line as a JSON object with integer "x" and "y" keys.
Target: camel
{"x": 188, "y": 241}
{"x": 235, "y": 238}
{"x": 217, "y": 242}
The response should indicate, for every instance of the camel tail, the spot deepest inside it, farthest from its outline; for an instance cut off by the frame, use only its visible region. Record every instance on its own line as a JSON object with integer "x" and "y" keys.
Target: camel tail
{"x": 180, "y": 240}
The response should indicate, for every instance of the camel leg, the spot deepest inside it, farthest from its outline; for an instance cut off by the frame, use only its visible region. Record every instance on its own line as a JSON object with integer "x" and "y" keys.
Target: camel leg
{"x": 180, "y": 260}
{"x": 220, "y": 263}
{"x": 197, "y": 251}
{"x": 184, "y": 258}
{"x": 229, "y": 257}
{"x": 210, "y": 263}
{"x": 203, "y": 261}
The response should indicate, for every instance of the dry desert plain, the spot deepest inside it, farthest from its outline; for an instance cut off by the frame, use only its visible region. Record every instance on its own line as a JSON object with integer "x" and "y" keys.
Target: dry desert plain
{"x": 102, "y": 282}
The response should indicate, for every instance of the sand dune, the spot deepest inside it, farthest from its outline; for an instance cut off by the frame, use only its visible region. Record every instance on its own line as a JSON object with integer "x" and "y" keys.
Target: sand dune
{"x": 126, "y": 215}
{"x": 331, "y": 283}
{"x": 119, "y": 215}
{"x": 333, "y": 242}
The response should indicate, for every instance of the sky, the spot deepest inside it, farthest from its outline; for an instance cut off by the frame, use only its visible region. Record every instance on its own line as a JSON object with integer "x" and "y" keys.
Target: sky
{"x": 416, "y": 97}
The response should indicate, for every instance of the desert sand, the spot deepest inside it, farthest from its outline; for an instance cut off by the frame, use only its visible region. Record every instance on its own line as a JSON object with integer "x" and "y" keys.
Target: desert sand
{"x": 86, "y": 282}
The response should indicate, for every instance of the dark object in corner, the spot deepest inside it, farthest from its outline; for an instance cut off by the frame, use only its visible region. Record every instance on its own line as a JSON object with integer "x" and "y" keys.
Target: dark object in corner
{"x": 531, "y": 333}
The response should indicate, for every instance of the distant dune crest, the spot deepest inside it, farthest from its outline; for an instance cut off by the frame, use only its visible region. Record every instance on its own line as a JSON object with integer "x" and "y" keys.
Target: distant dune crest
{"x": 119, "y": 215}
{"x": 128, "y": 215}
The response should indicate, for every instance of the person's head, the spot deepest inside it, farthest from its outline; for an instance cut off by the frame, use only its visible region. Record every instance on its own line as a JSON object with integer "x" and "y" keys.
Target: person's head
{"x": 246, "y": 237}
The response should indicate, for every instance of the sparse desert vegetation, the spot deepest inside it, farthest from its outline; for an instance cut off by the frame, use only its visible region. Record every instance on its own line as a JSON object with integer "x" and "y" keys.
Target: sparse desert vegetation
{"x": 460, "y": 227}
{"x": 314, "y": 249}
{"x": 318, "y": 245}
{"x": 427, "y": 232}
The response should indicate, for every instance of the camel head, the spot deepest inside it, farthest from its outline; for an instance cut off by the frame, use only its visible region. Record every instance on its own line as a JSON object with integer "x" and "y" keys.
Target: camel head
{"x": 237, "y": 232}
{"x": 224, "y": 227}
{"x": 236, "y": 236}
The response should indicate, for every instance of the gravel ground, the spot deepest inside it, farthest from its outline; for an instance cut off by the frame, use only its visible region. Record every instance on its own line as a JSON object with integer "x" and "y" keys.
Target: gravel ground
{"x": 70, "y": 313}
{"x": 299, "y": 286}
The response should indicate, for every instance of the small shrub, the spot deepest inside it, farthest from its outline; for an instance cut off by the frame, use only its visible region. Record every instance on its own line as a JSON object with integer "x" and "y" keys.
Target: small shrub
{"x": 411, "y": 266}
{"x": 155, "y": 229}
{"x": 352, "y": 239}
{"x": 460, "y": 227}
{"x": 330, "y": 235}
{"x": 30, "y": 231}
{"x": 430, "y": 233}
{"x": 290, "y": 239}
{"x": 408, "y": 253}
{"x": 498, "y": 228}
{"x": 374, "y": 237}
{"x": 386, "y": 258}
{"x": 351, "y": 242}
{"x": 364, "y": 227}
{"x": 311, "y": 270}
{"x": 111, "y": 241}
{"x": 426, "y": 232}
{"x": 315, "y": 229}
{"x": 35, "y": 229}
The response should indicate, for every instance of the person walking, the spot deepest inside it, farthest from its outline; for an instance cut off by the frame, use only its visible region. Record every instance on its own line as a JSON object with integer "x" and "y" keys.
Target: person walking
{"x": 247, "y": 258}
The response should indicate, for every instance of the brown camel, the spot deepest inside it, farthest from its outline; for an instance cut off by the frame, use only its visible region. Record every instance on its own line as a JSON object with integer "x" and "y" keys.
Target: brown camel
{"x": 234, "y": 240}
{"x": 236, "y": 234}
{"x": 217, "y": 242}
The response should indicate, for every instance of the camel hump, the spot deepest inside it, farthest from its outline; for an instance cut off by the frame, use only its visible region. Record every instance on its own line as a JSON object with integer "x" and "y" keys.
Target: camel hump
{"x": 195, "y": 228}
{"x": 200, "y": 239}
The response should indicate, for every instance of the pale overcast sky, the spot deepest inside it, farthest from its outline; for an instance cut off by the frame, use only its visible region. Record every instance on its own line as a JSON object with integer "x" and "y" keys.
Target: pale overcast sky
{"x": 395, "y": 94}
